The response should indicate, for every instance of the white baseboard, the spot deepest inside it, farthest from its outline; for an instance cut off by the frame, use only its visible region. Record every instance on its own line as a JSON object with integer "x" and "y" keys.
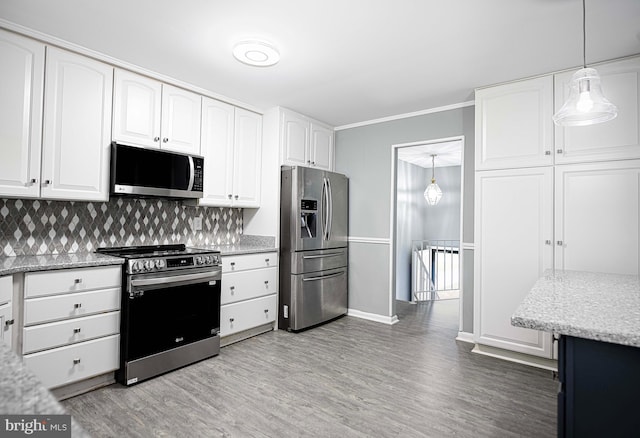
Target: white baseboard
{"x": 512, "y": 356}
{"x": 389, "y": 320}
{"x": 465, "y": 337}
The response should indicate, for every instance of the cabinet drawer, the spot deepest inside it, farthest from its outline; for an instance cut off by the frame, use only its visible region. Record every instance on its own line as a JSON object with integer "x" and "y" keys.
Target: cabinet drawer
{"x": 37, "y": 284}
{"x": 244, "y": 315}
{"x": 38, "y": 310}
{"x": 56, "y": 334}
{"x": 6, "y": 289}
{"x": 64, "y": 365}
{"x": 249, "y": 261}
{"x": 238, "y": 286}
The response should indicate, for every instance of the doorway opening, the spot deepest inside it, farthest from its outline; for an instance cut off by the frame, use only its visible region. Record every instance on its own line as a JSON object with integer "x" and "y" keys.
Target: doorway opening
{"x": 426, "y": 239}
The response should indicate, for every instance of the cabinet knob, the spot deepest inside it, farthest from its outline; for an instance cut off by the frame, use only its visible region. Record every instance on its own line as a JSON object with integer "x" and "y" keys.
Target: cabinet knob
{"x": 76, "y": 330}
{"x": 32, "y": 181}
{"x": 76, "y": 361}
{"x": 266, "y": 261}
{"x": 165, "y": 140}
{"x": 232, "y": 263}
{"x": 231, "y": 319}
{"x": 313, "y": 162}
{"x": 266, "y": 282}
{"x": 156, "y": 139}
{"x": 559, "y": 151}
{"x": 547, "y": 152}
{"x": 47, "y": 182}
{"x": 547, "y": 242}
{"x": 559, "y": 242}
{"x": 308, "y": 161}
{"x": 78, "y": 281}
{"x": 266, "y": 310}
{"x": 77, "y": 305}
{"x": 9, "y": 322}
{"x": 230, "y": 196}
{"x": 236, "y": 196}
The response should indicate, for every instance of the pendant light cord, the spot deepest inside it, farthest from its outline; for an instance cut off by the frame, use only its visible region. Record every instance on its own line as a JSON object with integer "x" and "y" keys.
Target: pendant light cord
{"x": 584, "y": 34}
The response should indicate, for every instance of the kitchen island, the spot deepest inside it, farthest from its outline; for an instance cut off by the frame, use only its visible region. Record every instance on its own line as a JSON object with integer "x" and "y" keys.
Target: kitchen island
{"x": 598, "y": 319}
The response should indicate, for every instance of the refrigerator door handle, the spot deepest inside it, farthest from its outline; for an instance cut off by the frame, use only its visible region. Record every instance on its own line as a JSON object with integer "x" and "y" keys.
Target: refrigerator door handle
{"x": 330, "y": 214}
{"x": 323, "y": 277}
{"x": 325, "y": 209}
{"x": 335, "y": 254}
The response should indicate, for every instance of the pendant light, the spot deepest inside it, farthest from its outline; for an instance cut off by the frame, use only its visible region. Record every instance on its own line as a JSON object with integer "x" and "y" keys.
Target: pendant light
{"x": 586, "y": 104}
{"x": 433, "y": 193}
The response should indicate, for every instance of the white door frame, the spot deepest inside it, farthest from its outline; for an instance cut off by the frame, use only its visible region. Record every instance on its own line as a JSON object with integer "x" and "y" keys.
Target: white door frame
{"x": 392, "y": 209}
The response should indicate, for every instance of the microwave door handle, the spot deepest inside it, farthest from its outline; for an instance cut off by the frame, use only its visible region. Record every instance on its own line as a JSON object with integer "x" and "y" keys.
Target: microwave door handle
{"x": 192, "y": 171}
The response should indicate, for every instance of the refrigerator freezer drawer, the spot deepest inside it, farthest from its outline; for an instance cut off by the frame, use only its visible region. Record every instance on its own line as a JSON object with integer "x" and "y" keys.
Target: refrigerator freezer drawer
{"x": 321, "y": 260}
{"x": 317, "y": 297}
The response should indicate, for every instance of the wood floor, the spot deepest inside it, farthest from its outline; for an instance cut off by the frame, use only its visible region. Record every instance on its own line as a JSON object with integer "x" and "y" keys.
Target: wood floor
{"x": 349, "y": 378}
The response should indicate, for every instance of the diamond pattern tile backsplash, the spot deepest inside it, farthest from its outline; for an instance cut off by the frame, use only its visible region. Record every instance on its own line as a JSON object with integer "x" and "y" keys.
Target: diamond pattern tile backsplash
{"x": 34, "y": 227}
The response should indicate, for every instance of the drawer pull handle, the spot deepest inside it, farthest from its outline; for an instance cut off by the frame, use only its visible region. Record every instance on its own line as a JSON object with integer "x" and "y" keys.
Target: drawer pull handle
{"x": 77, "y": 280}
{"x": 76, "y": 330}
{"x": 231, "y": 319}
{"x": 76, "y": 361}
{"x": 266, "y": 260}
{"x": 266, "y": 282}
{"x": 9, "y": 322}
{"x": 77, "y": 305}
{"x": 233, "y": 263}
{"x": 266, "y": 310}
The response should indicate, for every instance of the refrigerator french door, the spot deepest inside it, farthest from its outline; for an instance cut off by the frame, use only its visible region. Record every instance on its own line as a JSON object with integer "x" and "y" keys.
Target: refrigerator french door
{"x": 313, "y": 247}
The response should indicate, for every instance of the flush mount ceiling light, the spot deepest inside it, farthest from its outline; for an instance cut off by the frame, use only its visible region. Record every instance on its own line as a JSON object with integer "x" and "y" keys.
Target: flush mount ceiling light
{"x": 256, "y": 53}
{"x": 586, "y": 104}
{"x": 433, "y": 193}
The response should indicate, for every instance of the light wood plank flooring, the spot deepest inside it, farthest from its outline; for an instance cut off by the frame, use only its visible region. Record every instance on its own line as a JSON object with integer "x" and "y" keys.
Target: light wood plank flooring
{"x": 348, "y": 378}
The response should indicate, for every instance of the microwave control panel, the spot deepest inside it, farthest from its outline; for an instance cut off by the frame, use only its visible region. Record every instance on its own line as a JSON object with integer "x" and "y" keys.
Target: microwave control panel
{"x": 198, "y": 174}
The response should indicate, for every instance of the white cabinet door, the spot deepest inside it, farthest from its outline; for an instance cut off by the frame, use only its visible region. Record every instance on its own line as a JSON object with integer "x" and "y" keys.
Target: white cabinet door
{"x": 181, "y": 113}
{"x": 247, "y": 159}
{"x": 6, "y": 310}
{"x": 597, "y": 217}
{"x": 77, "y": 127}
{"x": 321, "y": 147}
{"x": 615, "y": 139}
{"x": 514, "y": 232}
{"x": 217, "y": 149}
{"x": 295, "y": 139}
{"x": 514, "y": 126}
{"x": 21, "y": 82}
{"x": 137, "y": 108}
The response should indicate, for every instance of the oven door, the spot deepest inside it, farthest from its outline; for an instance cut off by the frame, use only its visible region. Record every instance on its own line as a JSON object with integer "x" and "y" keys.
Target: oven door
{"x": 162, "y": 311}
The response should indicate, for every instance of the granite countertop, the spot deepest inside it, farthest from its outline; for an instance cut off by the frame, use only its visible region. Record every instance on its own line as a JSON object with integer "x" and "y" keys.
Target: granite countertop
{"x": 601, "y": 307}
{"x": 12, "y": 265}
{"x": 22, "y": 393}
{"x": 246, "y": 245}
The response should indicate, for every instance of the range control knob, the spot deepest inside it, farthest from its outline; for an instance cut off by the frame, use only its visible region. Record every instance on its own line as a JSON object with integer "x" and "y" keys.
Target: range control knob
{"x": 159, "y": 263}
{"x": 208, "y": 260}
{"x": 148, "y": 265}
{"x": 199, "y": 260}
{"x": 135, "y": 266}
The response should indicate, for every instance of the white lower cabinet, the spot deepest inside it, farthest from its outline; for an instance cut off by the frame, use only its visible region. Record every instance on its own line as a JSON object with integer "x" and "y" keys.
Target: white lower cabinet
{"x": 514, "y": 234}
{"x": 249, "y": 293}
{"x": 71, "y": 323}
{"x": 6, "y": 309}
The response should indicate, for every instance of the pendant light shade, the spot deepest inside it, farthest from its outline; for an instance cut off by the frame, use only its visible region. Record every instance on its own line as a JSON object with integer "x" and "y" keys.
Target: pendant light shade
{"x": 586, "y": 104}
{"x": 433, "y": 194}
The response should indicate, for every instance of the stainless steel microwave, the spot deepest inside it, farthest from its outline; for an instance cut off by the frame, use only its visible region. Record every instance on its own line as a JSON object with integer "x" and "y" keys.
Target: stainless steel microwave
{"x": 154, "y": 172}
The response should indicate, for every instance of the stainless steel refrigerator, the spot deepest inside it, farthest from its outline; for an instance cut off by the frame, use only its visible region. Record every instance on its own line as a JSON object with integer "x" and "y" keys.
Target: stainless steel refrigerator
{"x": 313, "y": 247}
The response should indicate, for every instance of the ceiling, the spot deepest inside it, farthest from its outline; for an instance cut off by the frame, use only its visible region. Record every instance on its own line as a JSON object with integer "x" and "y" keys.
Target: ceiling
{"x": 447, "y": 154}
{"x": 343, "y": 61}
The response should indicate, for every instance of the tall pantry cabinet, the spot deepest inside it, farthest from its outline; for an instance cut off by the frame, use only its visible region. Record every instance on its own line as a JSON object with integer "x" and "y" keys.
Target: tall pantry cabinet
{"x": 550, "y": 197}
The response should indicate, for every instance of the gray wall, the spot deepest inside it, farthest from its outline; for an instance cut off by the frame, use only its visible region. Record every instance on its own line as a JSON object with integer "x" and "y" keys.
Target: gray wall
{"x": 364, "y": 155}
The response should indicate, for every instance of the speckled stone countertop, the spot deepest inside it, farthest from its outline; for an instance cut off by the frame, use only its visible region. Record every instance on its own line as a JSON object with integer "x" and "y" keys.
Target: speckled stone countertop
{"x": 11, "y": 265}
{"x": 22, "y": 393}
{"x": 247, "y": 245}
{"x": 601, "y": 307}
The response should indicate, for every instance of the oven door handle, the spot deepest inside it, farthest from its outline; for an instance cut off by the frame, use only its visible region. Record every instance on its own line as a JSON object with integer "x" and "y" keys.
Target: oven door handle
{"x": 182, "y": 279}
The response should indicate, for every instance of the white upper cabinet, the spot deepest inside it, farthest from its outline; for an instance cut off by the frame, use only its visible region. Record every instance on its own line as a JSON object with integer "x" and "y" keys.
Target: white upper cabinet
{"x": 77, "y": 127}
{"x": 612, "y": 140}
{"x": 137, "y": 108}
{"x": 21, "y": 88}
{"x": 514, "y": 126}
{"x": 232, "y": 148}
{"x": 180, "y": 120}
{"x": 149, "y": 113}
{"x": 596, "y": 221}
{"x": 321, "y": 147}
{"x": 305, "y": 142}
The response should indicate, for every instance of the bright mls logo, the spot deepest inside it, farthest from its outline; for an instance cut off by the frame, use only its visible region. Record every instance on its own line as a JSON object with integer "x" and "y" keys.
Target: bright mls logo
{"x": 37, "y": 426}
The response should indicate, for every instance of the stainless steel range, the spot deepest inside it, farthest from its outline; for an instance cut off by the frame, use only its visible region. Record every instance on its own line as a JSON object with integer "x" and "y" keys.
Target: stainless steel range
{"x": 170, "y": 308}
